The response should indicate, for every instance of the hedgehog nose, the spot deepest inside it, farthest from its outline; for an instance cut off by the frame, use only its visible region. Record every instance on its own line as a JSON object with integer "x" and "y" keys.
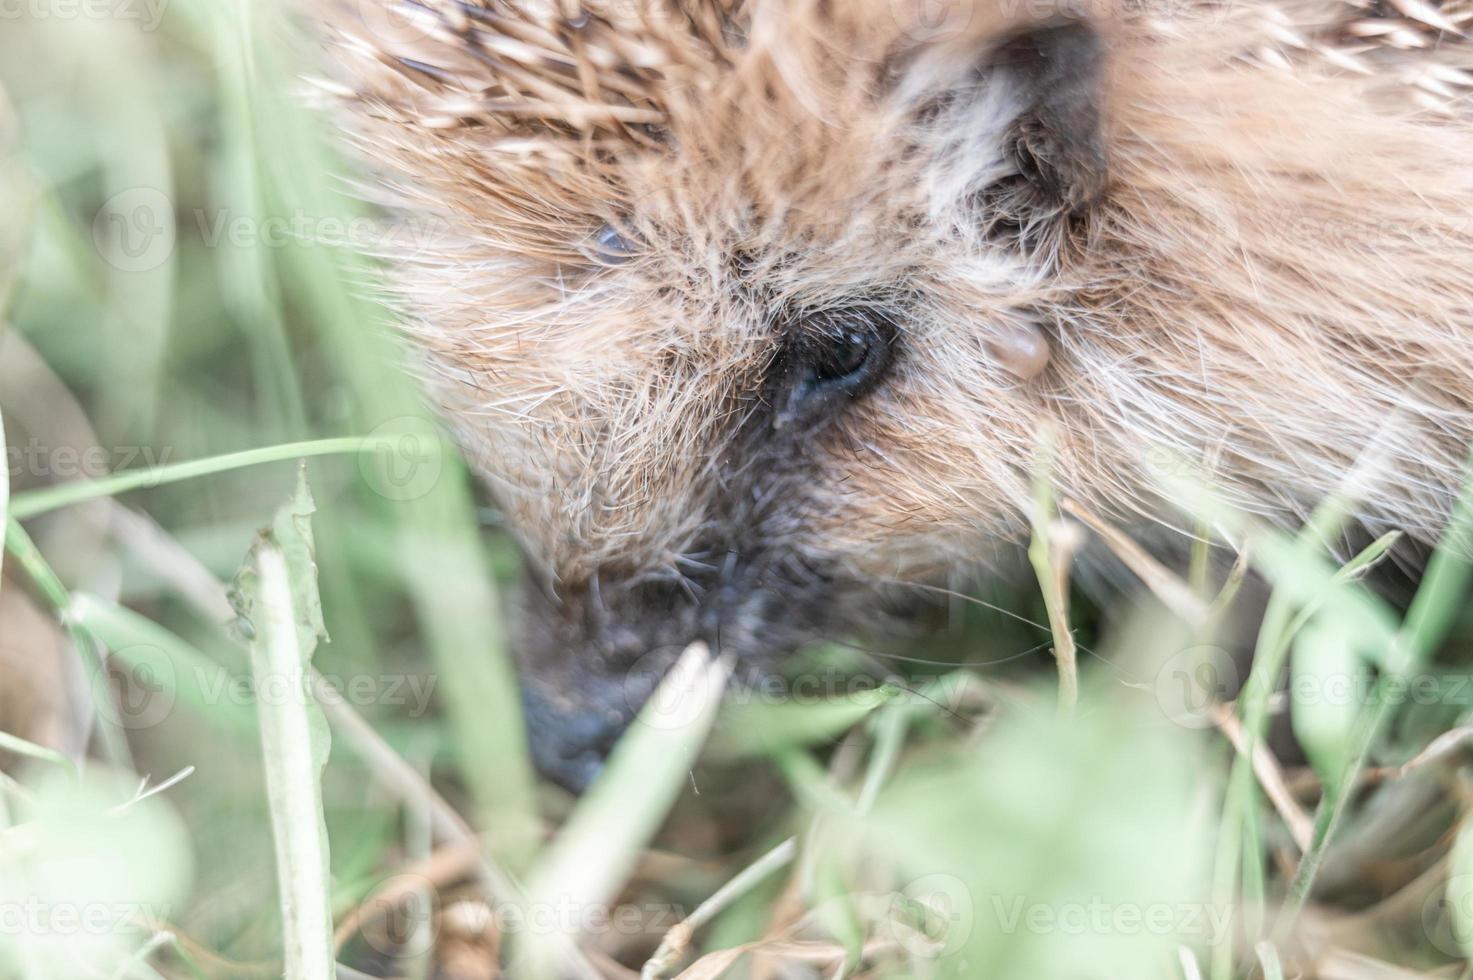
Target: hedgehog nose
{"x": 569, "y": 742}
{"x": 588, "y": 661}
{"x": 571, "y": 730}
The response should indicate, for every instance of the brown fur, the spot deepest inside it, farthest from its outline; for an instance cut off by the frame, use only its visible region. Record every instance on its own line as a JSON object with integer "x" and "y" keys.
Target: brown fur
{"x": 1277, "y": 277}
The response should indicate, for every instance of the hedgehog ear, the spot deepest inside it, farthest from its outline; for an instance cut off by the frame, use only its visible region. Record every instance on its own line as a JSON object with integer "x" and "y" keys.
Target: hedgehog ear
{"x": 1057, "y": 141}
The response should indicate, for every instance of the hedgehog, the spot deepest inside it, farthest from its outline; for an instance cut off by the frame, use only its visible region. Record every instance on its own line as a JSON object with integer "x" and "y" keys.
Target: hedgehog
{"x": 750, "y": 312}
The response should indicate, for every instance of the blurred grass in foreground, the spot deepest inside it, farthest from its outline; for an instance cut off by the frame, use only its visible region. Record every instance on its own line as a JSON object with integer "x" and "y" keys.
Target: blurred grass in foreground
{"x": 169, "y": 301}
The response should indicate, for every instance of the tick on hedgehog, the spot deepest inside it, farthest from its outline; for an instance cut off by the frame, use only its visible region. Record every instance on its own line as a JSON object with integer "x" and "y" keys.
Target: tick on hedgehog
{"x": 749, "y": 309}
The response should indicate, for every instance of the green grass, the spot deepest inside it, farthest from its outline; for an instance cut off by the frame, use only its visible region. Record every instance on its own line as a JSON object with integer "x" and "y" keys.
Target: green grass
{"x": 949, "y": 820}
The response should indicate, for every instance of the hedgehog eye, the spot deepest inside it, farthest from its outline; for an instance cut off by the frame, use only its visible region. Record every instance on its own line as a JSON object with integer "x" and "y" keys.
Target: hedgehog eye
{"x": 847, "y": 349}
{"x": 610, "y": 246}
{"x": 845, "y": 355}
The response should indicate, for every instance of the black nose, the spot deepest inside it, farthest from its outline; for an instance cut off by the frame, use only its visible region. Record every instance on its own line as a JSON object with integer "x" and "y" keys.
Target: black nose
{"x": 571, "y": 730}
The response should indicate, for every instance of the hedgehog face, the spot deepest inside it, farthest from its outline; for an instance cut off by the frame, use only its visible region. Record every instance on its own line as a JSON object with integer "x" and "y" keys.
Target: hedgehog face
{"x": 713, "y": 316}
{"x": 748, "y": 308}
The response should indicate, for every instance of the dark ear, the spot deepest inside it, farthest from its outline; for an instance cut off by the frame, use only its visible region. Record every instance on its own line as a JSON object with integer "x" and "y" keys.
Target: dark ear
{"x": 1057, "y": 141}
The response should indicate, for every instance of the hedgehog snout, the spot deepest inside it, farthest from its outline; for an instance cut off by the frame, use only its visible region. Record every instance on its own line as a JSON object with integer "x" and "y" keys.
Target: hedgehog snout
{"x": 590, "y": 657}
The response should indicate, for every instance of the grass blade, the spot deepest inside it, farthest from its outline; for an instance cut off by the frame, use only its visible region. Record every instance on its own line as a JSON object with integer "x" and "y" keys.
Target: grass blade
{"x": 598, "y": 846}
{"x": 37, "y": 502}
{"x": 1433, "y": 608}
{"x": 184, "y": 674}
{"x": 1051, "y": 553}
{"x": 437, "y": 536}
{"x": 279, "y": 585}
{"x": 19, "y": 746}
{"x": 1325, "y": 655}
{"x": 19, "y": 544}
{"x": 749, "y": 728}
{"x": 1441, "y": 594}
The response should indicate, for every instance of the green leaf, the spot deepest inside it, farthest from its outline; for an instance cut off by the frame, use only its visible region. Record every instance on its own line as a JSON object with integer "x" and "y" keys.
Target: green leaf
{"x": 174, "y": 671}
{"x": 834, "y": 905}
{"x": 1326, "y": 678}
{"x": 277, "y": 589}
{"x": 1055, "y": 847}
{"x": 751, "y": 727}
{"x": 1444, "y": 587}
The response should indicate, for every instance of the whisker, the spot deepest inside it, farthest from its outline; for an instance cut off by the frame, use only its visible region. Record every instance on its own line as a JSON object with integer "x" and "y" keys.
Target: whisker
{"x": 965, "y": 598}
{"x": 880, "y": 654}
